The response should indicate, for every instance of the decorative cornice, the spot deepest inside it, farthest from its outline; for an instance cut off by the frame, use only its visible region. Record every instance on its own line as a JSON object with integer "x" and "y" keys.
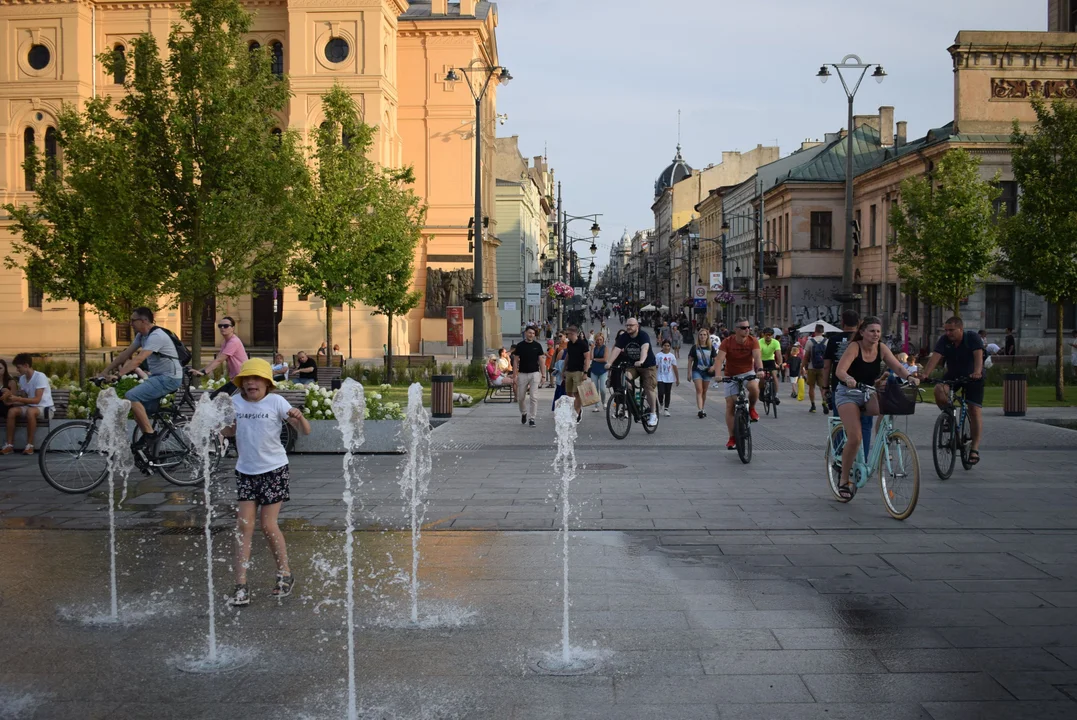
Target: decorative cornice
{"x": 1022, "y": 89}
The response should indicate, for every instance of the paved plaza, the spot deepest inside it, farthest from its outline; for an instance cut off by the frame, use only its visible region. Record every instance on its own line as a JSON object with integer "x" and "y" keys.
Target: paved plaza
{"x": 705, "y": 588}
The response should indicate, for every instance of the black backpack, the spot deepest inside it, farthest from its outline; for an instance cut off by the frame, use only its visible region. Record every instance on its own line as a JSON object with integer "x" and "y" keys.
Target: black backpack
{"x": 818, "y": 353}
{"x": 183, "y": 354}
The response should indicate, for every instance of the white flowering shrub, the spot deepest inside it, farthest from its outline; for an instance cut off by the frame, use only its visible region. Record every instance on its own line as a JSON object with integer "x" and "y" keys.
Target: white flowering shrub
{"x": 319, "y": 404}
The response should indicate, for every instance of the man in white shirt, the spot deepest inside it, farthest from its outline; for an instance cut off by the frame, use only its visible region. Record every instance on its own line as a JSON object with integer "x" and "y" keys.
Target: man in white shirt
{"x": 33, "y": 402}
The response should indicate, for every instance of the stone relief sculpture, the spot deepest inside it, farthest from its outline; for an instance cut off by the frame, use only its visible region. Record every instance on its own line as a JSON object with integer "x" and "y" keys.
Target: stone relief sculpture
{"x": 445, "y": 288}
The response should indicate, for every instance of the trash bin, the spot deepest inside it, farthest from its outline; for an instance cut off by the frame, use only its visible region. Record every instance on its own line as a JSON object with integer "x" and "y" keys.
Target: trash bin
{"x": 1014, "y": 394}
{"x": 441, "y": 396}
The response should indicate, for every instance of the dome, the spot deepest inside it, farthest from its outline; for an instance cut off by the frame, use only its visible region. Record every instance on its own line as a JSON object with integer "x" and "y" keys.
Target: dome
{"x": 676, "y": 171}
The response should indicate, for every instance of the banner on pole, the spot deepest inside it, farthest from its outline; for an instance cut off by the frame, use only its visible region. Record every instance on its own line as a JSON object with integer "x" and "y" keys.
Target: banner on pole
{"x": 454, "y": 316}
{"x": 716, "y": 282}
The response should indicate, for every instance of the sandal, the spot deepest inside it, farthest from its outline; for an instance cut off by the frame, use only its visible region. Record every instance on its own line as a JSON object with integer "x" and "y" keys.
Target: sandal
{"x": 284, "y": 585}
{"x": 974, "y": 457}
{"x": 240, "y": 597}
{"x": 847, "y": 491}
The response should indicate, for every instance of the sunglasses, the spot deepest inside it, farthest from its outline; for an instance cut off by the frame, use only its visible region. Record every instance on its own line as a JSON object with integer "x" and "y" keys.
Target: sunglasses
{"x": 744, "y": 327}
{"x": 222, "y": 326}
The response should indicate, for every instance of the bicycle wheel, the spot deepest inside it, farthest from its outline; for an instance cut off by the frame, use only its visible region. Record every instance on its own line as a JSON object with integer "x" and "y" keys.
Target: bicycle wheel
{"x": 742, "y": 433}
{"x": 899, "y": 476}
{"x": 288, "y": 436}
{"x": 765, "y": 397}
{"x": 775, "y": 392}
{"x": 832, "y": 457}
{"x": 178, "y": 461}
{"x": 618, "y": 415}
{"x": 964, "y": 440}
{"x": 70, "y": 459}
{"x": 942, "y": 447}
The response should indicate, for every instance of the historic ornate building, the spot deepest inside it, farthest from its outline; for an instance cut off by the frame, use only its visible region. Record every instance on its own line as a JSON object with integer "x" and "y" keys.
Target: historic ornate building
{"x": 391, "y": 54}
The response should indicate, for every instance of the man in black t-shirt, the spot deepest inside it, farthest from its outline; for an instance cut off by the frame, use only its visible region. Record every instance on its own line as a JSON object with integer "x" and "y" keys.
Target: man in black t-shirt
{"x": 306, "y": 370}
{"x": 636, "y": 345}
{"x": 577, "y": 365}
{"x": 1010, "y": 346}
{"x": 963, "y": 352}
{"x": 526, "y": 357}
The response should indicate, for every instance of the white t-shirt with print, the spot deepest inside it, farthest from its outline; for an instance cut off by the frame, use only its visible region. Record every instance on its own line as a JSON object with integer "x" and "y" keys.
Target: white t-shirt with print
{"x": 258, "y": 433}
{"x": 665, "y": 362}
{"x": 36, "y": 382}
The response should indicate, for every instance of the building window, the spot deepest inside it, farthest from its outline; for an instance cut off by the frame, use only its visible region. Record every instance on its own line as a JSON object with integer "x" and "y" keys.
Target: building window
{"x": 914, "y": 308}
{"x": 304, "y": 298}
{"x": 119, "y": 70}
{"x": 1072, "y": 19}
{"x": 872, "y": 217}
{"x": 781, "y": 232}
{"x": 50, "y": 153}
{"x": 872, "y": 299}
{"x": 278, "y": 134}
{"x": 821, "y": 230}
{"x": 998, "y": 306}
{"x": 788, "y": 246}
{"x": 34, "y": 295}
{"x": 255, "y": 46}
{"x": 28, "y": 148}
{"x": 1007, "y": 200}
{"x": 336, "y": 50}
{"x": 1069, "y": 316}
{"x": 277, "y": 66}
{"x": 38, "y": 57}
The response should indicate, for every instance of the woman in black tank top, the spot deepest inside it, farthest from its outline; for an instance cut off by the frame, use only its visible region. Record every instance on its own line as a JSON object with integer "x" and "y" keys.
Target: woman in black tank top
{"x": 862, "y": 363}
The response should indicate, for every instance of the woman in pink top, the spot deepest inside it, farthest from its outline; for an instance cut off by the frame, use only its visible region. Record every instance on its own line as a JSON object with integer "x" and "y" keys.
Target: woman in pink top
{"x": 232, "y": 352}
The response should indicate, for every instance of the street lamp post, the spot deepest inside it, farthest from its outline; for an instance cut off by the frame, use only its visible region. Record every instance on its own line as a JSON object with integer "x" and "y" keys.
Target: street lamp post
{"x": 478, "y": 295}
{"x": 852, "y": 63}
{"x": 756, "y": 220}
{"x": 565, "y": 244}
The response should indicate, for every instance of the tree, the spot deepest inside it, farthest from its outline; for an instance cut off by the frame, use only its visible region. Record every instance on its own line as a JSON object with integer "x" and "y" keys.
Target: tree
{"x": 222, "y": 186}
{"x": 331, "y": 250}
{"x": 1039, "y": 243}
{"x": 946, "y": 232}
{"x": 79, "y": 240}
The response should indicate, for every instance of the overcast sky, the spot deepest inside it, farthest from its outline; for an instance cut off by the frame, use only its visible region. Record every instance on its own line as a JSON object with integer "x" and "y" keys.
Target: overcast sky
{"x": 598, "y": 83}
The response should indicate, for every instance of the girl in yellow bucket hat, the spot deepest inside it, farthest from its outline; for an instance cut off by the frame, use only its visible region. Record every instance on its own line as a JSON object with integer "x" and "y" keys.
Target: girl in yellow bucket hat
{"x": 261, "y": 471}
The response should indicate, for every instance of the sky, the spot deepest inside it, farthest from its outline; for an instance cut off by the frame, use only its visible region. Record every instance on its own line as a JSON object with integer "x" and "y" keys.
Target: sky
{"x": 597, "y": 83}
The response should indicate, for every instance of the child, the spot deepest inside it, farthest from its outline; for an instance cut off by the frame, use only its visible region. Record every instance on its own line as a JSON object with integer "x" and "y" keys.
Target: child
{"x": 794, "y": 367}
{"x": 261, "y": 471}
{"x": 667, "y": 374}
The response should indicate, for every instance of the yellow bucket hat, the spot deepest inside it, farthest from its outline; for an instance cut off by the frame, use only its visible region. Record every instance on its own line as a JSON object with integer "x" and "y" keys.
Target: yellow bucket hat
{"x": 255, "y": 367}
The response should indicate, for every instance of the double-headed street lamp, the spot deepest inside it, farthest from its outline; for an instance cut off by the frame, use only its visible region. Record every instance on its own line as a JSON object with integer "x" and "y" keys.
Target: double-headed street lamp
{"x": 478, "y": 91}
{"x": 565, "y": 244}
{"x": 851, "y": 63}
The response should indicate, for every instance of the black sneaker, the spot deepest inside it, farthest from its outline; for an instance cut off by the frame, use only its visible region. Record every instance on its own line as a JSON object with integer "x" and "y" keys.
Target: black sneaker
{"x": 826, "y": 409}
{"x": 579, "y": 418}
{"x": 240, "y": 597}
{"x": 812, "y": 408}
{"x": 145, "y": 440}
{"x": 700, "y": 413}
{"x": 284, "y": 585}
{"x": 531, "y": 423}
{"x": 777, "y": 401}
{"x": 523, "y": 419}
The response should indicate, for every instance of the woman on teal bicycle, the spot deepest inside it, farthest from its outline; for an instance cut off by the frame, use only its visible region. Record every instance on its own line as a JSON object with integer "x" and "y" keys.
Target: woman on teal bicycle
{"x": 861, "y": 365}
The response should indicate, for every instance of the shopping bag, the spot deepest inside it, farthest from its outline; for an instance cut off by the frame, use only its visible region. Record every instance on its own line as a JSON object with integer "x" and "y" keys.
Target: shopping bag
{"x": 588, "y": 393}
{"x": 800, "y": 388}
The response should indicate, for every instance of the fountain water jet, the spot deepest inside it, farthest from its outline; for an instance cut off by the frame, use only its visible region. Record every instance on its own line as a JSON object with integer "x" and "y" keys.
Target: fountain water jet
{"x": 113, "y": 441}
{"x": 349, "y": 408}
{"x": 415, "y": 482}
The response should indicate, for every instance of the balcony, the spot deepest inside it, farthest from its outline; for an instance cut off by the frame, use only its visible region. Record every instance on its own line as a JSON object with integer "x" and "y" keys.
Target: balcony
{"x": 770, "y": 263}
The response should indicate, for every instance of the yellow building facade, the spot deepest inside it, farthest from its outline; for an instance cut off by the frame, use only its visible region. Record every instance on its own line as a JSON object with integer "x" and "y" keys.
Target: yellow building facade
{"x": 47, "y": 59}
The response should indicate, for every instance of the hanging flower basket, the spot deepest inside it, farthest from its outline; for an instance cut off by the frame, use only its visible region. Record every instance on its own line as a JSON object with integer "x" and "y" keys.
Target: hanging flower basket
{"x": 725, "y": 298}
{"x": 561, "y": 290}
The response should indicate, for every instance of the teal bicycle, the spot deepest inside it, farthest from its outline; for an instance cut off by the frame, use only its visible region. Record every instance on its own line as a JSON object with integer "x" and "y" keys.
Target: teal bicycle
{"x": 895, "y": 461}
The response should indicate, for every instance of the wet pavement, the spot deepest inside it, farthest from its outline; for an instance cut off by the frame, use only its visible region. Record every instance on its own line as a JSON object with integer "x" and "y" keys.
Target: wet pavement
{"x": 705, "y": 588}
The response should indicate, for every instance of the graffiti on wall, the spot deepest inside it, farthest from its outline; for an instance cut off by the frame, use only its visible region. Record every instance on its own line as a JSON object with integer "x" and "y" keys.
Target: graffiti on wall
{"x": 804, "y": 314}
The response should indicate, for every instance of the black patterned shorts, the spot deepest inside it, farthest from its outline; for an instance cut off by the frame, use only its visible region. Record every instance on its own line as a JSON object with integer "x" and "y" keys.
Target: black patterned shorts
{"x": 265, "y": 489}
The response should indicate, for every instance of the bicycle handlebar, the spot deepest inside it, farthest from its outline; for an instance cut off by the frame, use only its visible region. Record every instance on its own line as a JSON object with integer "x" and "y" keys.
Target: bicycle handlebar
{"x": 955, "y": 381}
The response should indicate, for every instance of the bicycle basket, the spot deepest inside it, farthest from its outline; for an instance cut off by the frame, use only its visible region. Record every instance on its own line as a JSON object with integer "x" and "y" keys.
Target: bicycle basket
{"x": 897, "y": 400}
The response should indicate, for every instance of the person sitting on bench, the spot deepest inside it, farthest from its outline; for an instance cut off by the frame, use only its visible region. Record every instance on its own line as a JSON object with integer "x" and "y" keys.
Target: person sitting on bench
{"x": 34, "y": 402}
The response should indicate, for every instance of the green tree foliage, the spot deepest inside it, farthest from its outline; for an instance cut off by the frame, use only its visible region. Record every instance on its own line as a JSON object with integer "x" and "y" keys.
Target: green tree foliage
{"x": 80, "y": 240}
{"x": 946, "y": 231}
{"x": 1039, "y": 243}
{"x": 220, "y": 187}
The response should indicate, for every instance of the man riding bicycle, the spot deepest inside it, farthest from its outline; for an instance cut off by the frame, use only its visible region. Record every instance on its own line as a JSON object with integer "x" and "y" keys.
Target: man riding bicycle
{"x": 636, "y": 345}
{"x": 963, "y": 351}
{"x": 770, "y": 350}
{"x": 154, "y": 346}
{"x": 742, "y": 359}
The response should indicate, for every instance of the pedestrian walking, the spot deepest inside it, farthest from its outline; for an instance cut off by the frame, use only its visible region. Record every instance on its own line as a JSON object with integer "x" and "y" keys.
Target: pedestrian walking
{"x": 577, "y": 356}
{"x": 701, "y": 358}
{"x": 526, "y": 360}
{"x": 813, "y": 362}
{"x": 675, "y": 331}
{"x": 261, "y": 472}
{"x": 794, "y": 368}
{"x": 598, "y": 368}
{"x": 666, "y": 363}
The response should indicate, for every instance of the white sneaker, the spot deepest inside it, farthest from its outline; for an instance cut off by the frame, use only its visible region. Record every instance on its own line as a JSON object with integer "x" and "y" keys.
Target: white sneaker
{"x": 652, "y": 419}
{"x": 667, "y": 413}
{"x": 596, "y": 408}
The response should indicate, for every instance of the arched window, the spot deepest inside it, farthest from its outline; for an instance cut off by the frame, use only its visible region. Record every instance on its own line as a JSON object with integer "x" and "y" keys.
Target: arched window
{"x": 28, "y": 148}
{"x": 50, "y": 152}
{"x": 277, "y": 65}
{"x": 255, "y": 46}
{"x": 119, "y": 72}
{"x": 277, "y": 134}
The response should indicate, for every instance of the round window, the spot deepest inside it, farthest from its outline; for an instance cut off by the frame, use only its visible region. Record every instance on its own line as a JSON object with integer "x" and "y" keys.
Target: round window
{"x": 336, "y": 50}
{"x": 38, "y": 57}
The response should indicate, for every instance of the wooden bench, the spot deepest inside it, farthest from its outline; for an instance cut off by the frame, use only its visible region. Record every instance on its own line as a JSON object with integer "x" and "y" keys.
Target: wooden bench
{"x": 326, "y": 376}
{"x": 412, "y": 360}
{"x": 499, "y": 393}
{"x": 60, "y": 400}
{"x": 1015, "y": 361}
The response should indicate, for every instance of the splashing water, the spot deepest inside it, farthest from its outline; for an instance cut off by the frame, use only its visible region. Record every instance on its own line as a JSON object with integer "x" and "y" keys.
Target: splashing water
{"x": 349, "y": 408}
{"x": 117, "y": 449}
{"x": 565, "y": 462}
{"x": 415, "y": 482}
{"x": 210, "y": 417}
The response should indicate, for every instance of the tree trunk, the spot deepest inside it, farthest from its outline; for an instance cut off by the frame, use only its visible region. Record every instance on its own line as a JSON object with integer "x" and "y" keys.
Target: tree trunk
{"x": 82, "y": 343}
{"x": 1060, "y": 370}
{"x": 389, "y": 348}
{"x": 328, "y": 334}
{"x": 197, "y": 303}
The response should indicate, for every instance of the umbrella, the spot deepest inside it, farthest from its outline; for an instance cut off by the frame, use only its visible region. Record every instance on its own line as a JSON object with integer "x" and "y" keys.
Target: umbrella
{"x": 827, "y": 327}
{"x": 664, "y": 308}
{"x": 647, "y": 308}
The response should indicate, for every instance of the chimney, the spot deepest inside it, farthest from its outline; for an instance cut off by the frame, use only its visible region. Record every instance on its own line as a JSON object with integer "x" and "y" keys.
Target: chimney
{"x": 467, "y": 7}
{"x": 886, "y": 126}
{"x": 902, "y": 133}
{"x": 439, "y": 7}
{"x": 869, "y": 120}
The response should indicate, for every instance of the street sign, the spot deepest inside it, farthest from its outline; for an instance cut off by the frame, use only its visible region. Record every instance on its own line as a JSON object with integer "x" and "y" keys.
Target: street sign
{"x": 700, "y": 291}
{"x": 578, "y": 291}
{"x": 642, "y": 294}
{"x": 701, "y": 303}
{"x": 534, "y": 293}
{"x": 716, "y": 282}
{"x": 454, "y": 316}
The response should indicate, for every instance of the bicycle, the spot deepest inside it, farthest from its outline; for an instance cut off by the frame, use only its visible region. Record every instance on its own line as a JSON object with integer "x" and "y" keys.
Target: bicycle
{"x": 71, "y": 460}
{"x": 769, "y": 394}
{"x": 895, "y": 460}
{"x": 742, "y": 428}
{"x": 952, "y": 434}
{"x": 626, "y": 404}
